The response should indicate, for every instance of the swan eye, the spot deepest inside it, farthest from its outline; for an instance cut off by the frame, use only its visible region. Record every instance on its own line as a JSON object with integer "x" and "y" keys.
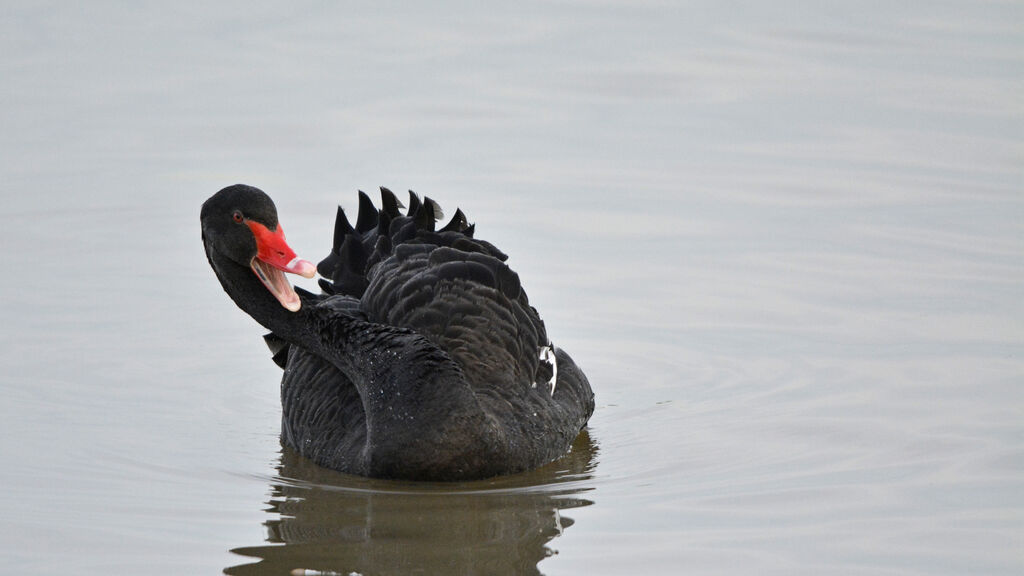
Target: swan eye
{"x": 237, "y": 216}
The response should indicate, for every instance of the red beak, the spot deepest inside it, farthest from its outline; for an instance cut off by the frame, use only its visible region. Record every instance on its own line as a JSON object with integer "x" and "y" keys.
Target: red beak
{"x": 272, "y": 249}
{"x": 273, "y": 255}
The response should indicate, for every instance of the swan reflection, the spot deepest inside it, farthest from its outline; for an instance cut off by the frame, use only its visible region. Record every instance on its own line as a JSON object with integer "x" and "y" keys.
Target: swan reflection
{"x": 333, "y": 523}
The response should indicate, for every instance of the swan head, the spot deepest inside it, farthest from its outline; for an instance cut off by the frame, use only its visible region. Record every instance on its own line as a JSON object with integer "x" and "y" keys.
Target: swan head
{"x": 240, "y": 228}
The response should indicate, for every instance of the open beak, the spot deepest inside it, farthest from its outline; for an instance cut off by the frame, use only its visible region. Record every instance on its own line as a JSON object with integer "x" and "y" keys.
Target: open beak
{"x": 273, "y": 258}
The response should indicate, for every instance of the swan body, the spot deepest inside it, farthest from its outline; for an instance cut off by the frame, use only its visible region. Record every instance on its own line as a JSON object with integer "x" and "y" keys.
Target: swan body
{"x": 421, "y": 359}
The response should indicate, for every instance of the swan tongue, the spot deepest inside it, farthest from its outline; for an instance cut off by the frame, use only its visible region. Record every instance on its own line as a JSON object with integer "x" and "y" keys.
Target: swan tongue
{"x": 273, "y": 257}
{"x": 277, "y": 284}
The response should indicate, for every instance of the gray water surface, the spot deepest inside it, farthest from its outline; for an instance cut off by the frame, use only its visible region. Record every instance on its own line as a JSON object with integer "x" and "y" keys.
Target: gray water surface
{"x": 784, "y": 240}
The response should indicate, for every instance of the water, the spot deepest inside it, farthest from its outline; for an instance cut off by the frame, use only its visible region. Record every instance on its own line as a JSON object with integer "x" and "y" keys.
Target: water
{"x": 783, "y": 241}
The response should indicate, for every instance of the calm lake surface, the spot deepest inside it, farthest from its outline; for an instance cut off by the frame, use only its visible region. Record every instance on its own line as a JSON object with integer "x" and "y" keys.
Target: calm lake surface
{"x": 785, "y": 241}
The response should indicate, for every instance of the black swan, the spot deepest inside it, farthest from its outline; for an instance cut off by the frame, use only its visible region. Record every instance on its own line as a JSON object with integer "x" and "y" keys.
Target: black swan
{"x": 422, "y": 359}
